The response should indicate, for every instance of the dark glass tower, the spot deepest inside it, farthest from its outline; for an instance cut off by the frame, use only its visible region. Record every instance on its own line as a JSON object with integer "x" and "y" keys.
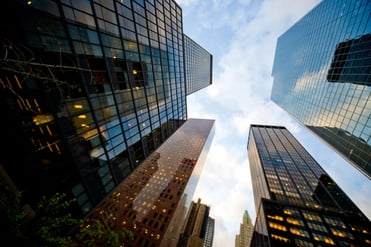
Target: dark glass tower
{"x": 153, "y": 201}
{"x": 322, "y": 71}
{"x": 89, "y": 90}
{"x": 296, "y": 201}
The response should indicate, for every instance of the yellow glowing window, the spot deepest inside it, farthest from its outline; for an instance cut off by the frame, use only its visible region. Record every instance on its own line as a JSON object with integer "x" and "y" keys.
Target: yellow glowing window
{"x": 298, "y": 232}
{"x": 288, "y": 212}
{"x": 294, "y": 221}
{"x": 338, "y": 233}
{"x": 82, "y": 116}
{"x": 328, "y": 241}
{"x": 277, "y": 226}
{"x": 279, "y": 238}
{"x": 164, "y": 210}
{"x": 77, "y": 106}
{"x": 275, "y": 217}
{"x": 134, "y": 72}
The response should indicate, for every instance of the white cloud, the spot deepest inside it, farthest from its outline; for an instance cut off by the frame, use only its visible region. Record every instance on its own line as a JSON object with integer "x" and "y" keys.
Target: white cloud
{"x": 239, "y": 96}
{"x": 186, "y": 3}
{"x": 242, "y": 37}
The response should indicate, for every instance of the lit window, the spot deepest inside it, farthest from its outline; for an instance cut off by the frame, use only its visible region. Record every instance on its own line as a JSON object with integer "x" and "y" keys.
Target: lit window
{"x": 299, "y": 232}
{"x": 277, "y": 226}
{"x": 275, "y": 217}
{"x": 77, "y": 106}
{"x": 280, "y": 238}
{"x": 294, "y": 221}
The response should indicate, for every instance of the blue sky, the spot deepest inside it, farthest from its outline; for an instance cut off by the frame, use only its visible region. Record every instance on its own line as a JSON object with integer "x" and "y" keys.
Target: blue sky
{"x": 242, "y": 35}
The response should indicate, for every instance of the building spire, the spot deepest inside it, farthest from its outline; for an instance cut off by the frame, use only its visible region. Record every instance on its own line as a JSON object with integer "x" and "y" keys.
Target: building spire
{"x": 246, "y": 217}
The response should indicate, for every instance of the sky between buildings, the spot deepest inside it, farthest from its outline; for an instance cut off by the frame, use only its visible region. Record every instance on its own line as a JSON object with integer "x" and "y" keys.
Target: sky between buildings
{"x": 242, "y": 36}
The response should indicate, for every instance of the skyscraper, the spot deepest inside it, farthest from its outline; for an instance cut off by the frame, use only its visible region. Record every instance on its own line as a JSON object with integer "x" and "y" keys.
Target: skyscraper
{"x": 209, "y": 233}
{"x": 243, "y": 239}
{"x": 153, "y": 201}
{"x": 196, "y": 226}
{"x": 88, "y": 91}
{"x": 296, "y": 201}
{"x": 321, "y": 72}
{"x": 198, "y": 66}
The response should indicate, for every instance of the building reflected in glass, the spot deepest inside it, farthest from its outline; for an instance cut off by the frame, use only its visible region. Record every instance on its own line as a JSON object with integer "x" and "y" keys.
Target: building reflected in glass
{"x": 351, "y": 62}
{"x": 198, "y": 227}
{"x": 322, "y": 77}
{"x": 296, "y": 201}
{"x": 88, "y": 91}
{"x": 153, "y": 201}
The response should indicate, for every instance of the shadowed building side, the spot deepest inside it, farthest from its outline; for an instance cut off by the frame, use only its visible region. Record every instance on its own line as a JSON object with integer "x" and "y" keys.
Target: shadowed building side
{"x": 296, "y": 201}
{"x": 88, "y": 91}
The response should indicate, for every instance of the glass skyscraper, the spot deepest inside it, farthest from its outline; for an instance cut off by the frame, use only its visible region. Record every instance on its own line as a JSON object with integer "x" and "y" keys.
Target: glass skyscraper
{"x": 198, "y": 66}
{"x": 296, "y": 201}
{"x": 153, "y": 201}
{"x": 88, "y": 91}
{"x": 322, "y": 75}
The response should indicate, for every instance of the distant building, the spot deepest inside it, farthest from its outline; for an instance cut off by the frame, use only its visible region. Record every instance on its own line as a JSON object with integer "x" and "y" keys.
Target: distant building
{"x": 243, "y": 239}
{"x": 89, "y": 90}
{"x": 197, "y": 227}
{"x": 321, "y": 71}
{"x": 296, "y": 201}
{"x": 209, "y": 234}
{"x": 153, "y": 201}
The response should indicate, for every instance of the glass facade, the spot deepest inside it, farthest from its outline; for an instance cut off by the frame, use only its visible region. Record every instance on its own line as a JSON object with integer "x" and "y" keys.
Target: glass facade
{"x": 198, "y": 66}
{"x": 89, "y": 90}
{"x": 296, "y": 202}
{"x": 322, "y": 77}
{"x": 153, "y": 201}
